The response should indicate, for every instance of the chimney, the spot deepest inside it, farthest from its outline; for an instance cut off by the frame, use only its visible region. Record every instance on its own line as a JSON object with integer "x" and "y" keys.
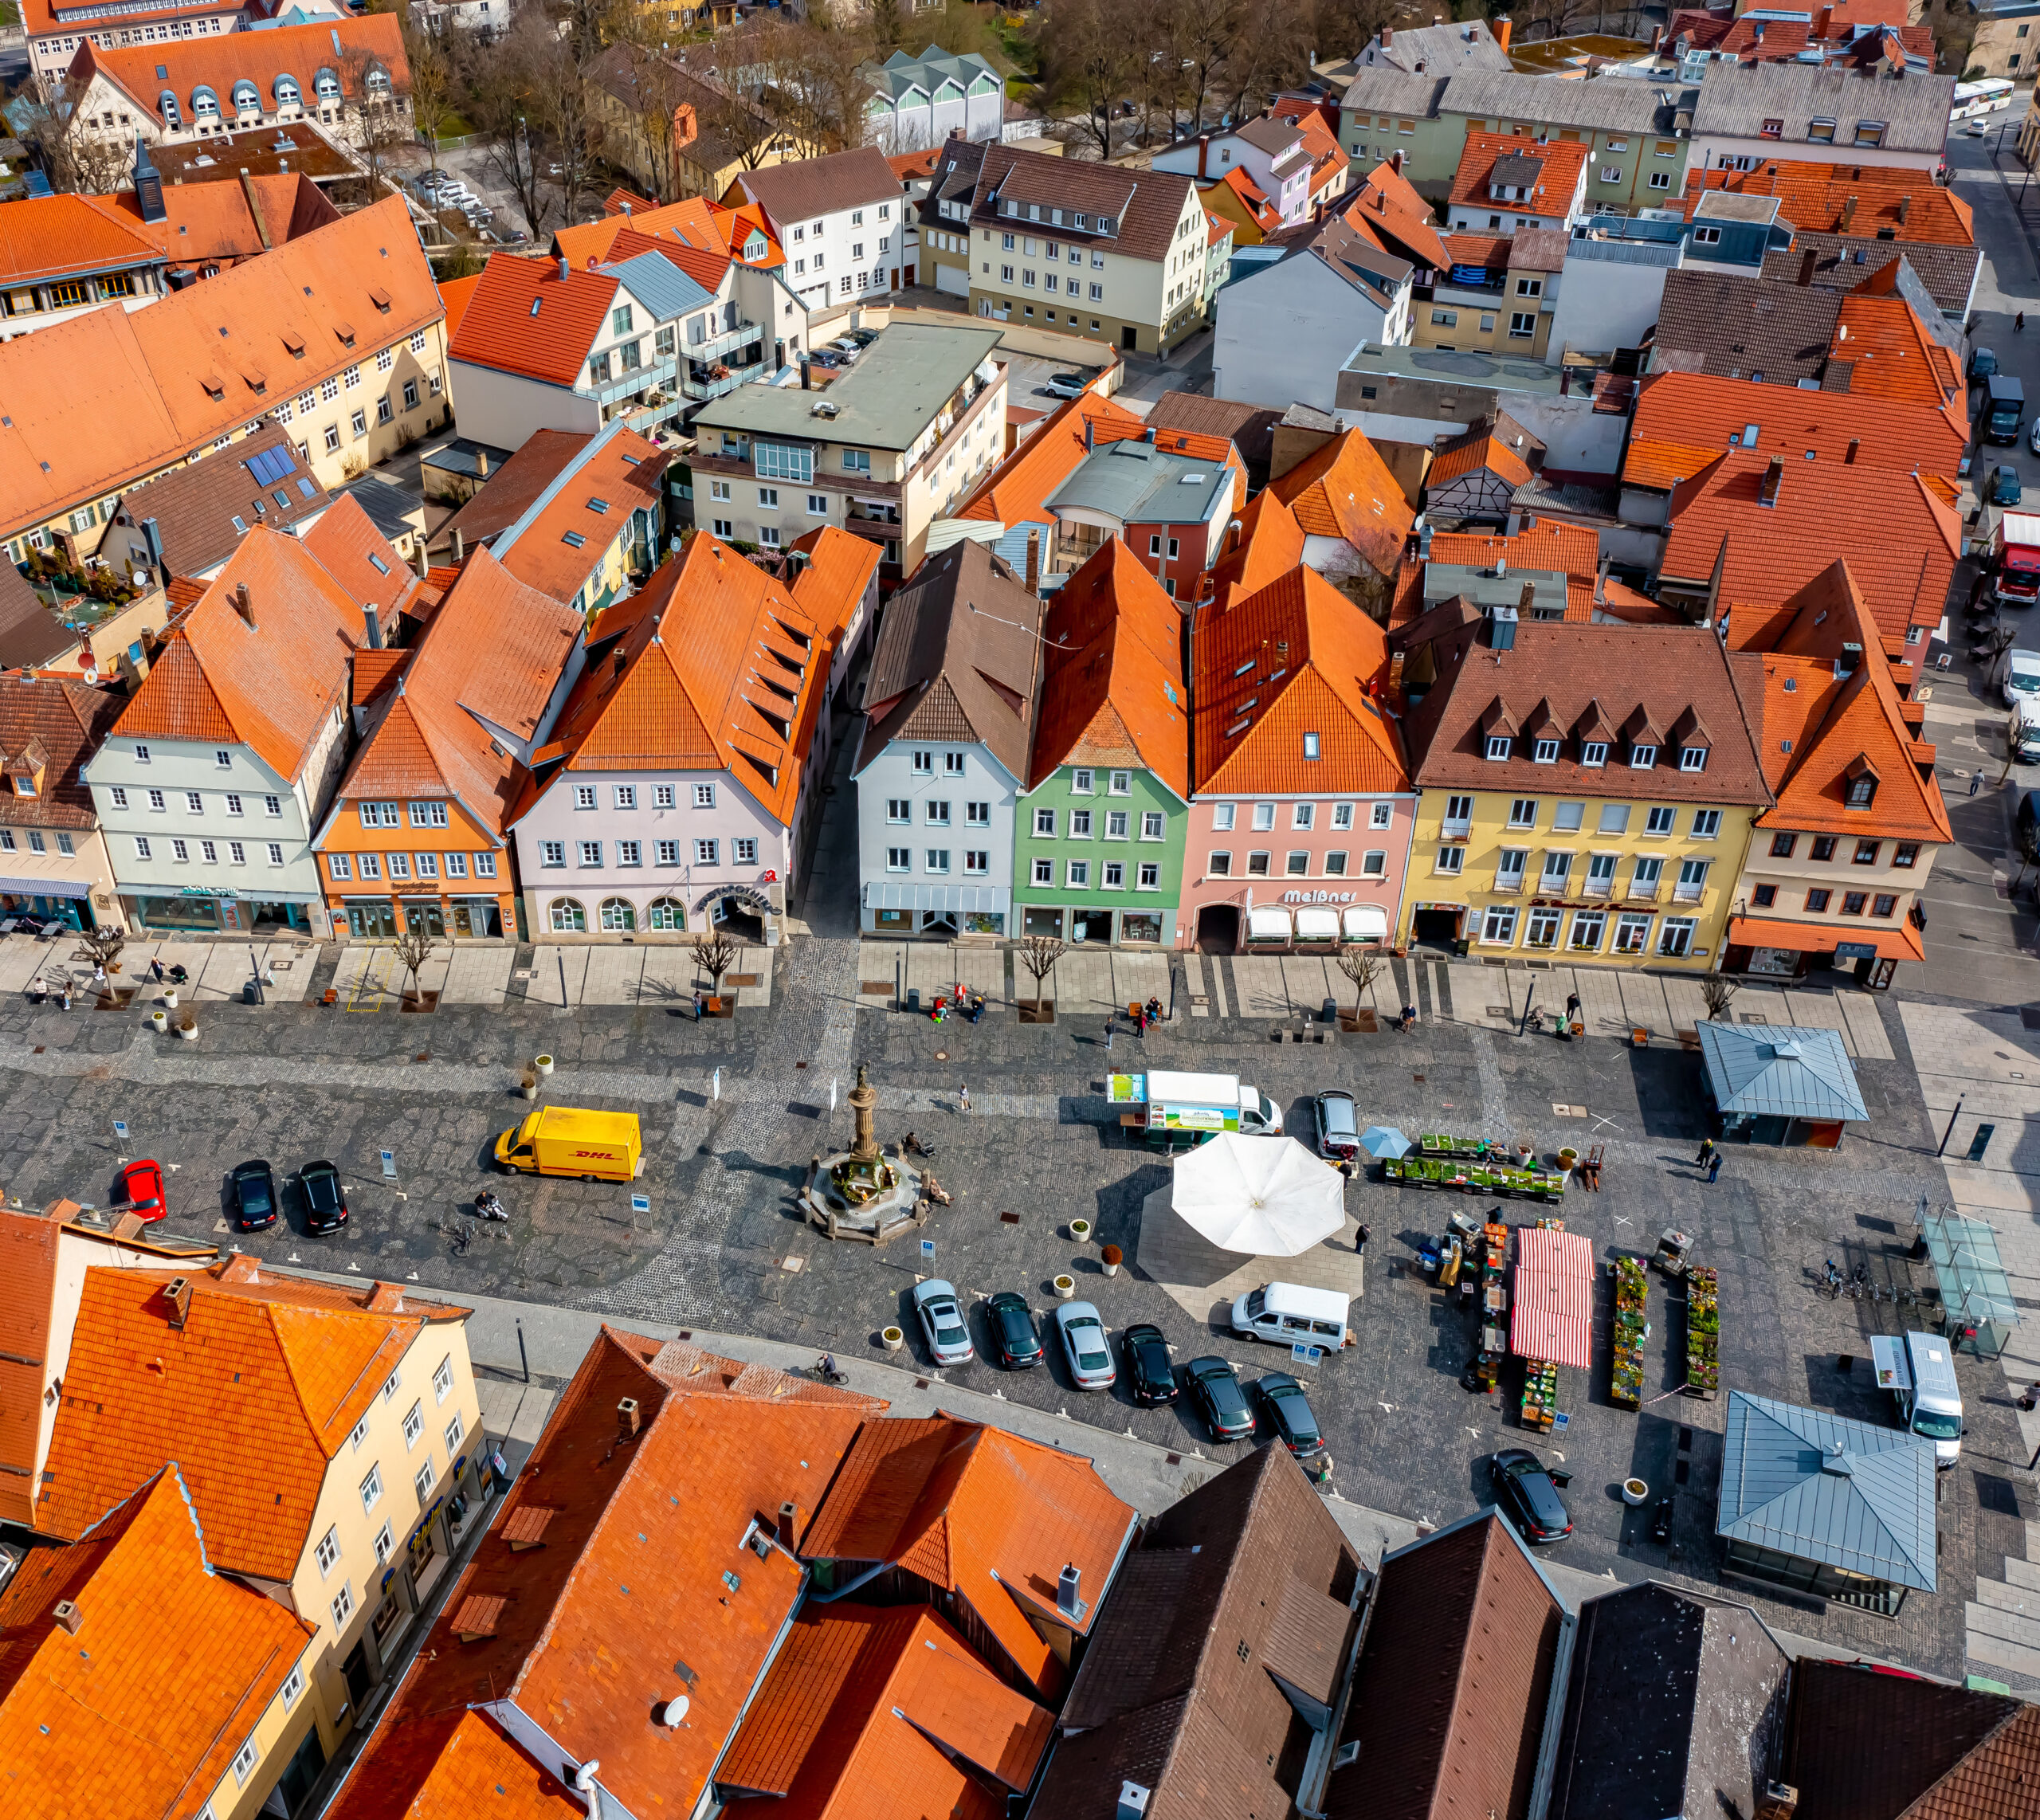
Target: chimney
{"x": 788, "y": 1525}
{"x": 1502, "y": 27}
{"x": 1849, "y": 460}
{"x": 177, "y": 1292}
{"x": 1779, "y": 1802}
{"x": 806, "y": 378}
{"x": 1757, "y": 32}
{"x": 1848, "y": 213}
{"x": 67, "y": 1616}
{"x": 1501, "y": 628}
{"x": 424, "y": 562}
{"x": 1904, "y": 210}
{"x": 460, "y": 542}
{"x": 1852, "y": 655}
{"x": 1066, "y": 1601}
{"x": 1147, "y": 436}
{"x": 148, "y": 185}
{"x": 1132, "y": 1795}
{"x": 1774, "y": 478}
{"x": 243, "y": 604}
{"x": 566, "y": 266}
{"x": 1601, "y": 582}
{"x": 1090, "y": 435}
{"x": 626, "y": 1418}
{"x": 1203, "y": 147}
{"x": 621, "y": 660}
{"x": 1526, "y": 603}
{"x": 1807, "y": 262}
{"x": 1657, "y": 38}
{"x": 375, "y": 625}
{"x": 1033, "y": 561}
{"x": 1388, "y": 37}
{"x": 481, "y": 463}
{"x": 1395, "y": 164}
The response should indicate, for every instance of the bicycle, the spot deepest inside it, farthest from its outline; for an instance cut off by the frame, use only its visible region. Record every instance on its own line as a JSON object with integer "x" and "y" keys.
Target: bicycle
{"x": 458, "y": 1239}
{"x": 1830, "y": 1280}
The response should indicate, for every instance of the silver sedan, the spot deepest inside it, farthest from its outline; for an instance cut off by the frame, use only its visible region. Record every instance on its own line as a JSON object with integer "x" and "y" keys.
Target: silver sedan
{"x": 1084, "y": 1345}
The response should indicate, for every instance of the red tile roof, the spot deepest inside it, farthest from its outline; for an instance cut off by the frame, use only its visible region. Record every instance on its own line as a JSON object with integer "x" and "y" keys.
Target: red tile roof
{"x": 512, "y": 490}
{"x": 364, "y": 562}
{"x": 1269, "y": 544}
{"x": 1563, "y": 161}
{"x": 525, "y": 317}
{"x": 882, "y": 1713}
{"x": 1389, "y": 204}
{"x": 594, "y": 498}
{"x": 643, "y": 1591}
{"x": 837, "y": 576}
{"x": 991, "y": 1516}
{"x": 1344, "y": 489}
{"x": 1888, "y": 353}
{"x": 907, "y": 164}
{"x": 1256, "y": 699}
{"x": 455, "y": 295}
{"x": 1017, "y": 490}
{"x": 252, "y": 1373}
{"x": 28, "y": 1265}
{"x": 1250, "y": 197}
{"x": 1844, "y": 198}
{"x": 141, "y": 1709}
{"x": 1899, "y": 537}
{"x": 1683, "y": 420}
{"x": 1113, "y": 693}
{"x": 1550, "y": 545}
{"x": 44, "y": 235}
{"x": 1470, "y": 454}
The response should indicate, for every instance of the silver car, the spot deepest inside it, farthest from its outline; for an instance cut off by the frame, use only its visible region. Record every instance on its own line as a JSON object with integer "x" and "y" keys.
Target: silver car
{"x": 943, "y": 1325}
{"x": 1084, "y": 1345}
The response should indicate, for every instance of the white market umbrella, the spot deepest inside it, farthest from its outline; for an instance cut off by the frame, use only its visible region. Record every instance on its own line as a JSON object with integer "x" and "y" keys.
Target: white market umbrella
{"x": 1268, "y": 1196}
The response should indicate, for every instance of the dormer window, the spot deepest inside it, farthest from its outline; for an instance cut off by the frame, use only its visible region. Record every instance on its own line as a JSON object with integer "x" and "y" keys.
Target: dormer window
{"x": 1594, "y": 753}
{"x": 1692, "y": 758}
{"x": 1772, "y": 129}
{"x": 1821, "y": 132}
{"x": 1498, "y": 745}
{"x": 1863, "y": 790}
{"x": 1642, "y": 758}
{"x": 1546, "y": 752}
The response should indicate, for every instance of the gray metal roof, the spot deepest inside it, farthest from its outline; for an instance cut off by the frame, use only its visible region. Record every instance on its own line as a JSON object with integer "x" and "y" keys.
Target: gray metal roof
{"x": 901, "y": 73}
{"x": 1616, "y": 104}
{"x": 1781, "y": 1070}
{"x": 1138, "y": 484}
{"x": 660, "y": 285}
{"x": 885, "y": 400}
{"x": 1821, "y": 1487}
{"x": 1737, "y": 98}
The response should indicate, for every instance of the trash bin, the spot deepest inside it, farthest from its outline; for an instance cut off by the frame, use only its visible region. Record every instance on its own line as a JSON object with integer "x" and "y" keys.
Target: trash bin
{"x": 1329, "y": 1012}
{"x": 913, "y": 998}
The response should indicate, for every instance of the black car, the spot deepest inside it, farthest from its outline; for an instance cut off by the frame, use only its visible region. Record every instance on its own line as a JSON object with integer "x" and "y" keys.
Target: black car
{"x": 1288, "y": 1412}
{"x": 1528, "y": 1499}
{"x": 325, "y": 1199}
{"x": 253, "y": 1190}
{"x": 1216, "y": 1393}
{"x": 1147, "y": 1368}
{"x": 1012, "y": 1328}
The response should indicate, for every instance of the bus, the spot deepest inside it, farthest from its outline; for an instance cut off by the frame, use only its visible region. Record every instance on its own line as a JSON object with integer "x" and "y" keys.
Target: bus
{"x": 1973, "y": 99}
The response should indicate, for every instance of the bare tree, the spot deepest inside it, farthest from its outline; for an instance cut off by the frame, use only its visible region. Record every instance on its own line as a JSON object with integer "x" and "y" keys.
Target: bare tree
{"x": 716, "y": 956}
{"x": 1038, "y": 954}
{"x": 1715, "y": 993}
{"x": 103, "y": 945}
{"x": 1089, "y": 62}
{"x": 75, "y": 158}
{"x": 381, "y": 126}
{"x": 1345, "y": 28}
{"x": 1363, "y": 969}
{"x": 413, "y": 948}
{"x": 434, "y": 85}
{"x": 501, "y": 104}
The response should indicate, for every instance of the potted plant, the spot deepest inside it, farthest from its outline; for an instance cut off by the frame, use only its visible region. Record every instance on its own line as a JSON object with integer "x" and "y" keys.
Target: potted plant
{"x": 1065, "y": 1287}
{"x": 1112, "y": 1257}
{"x": 543, "y": 1064}
{"x": 160, "y": 1019}
{"x": 529, "y": 1085}
{"x": 1634, "y": 1491}
{"x": 170, "y": 997}
{"x": 187, "y": 1027}
{"x": 891, "y": 1338}
{"x": 1080, "y": 1230}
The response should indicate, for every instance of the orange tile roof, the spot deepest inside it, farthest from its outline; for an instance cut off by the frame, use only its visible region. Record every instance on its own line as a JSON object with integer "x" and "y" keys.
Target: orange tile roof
{"x": 865, "y": 1714}
{"x": 1344, "y": 489}
{"x": 1472, "y": 452}
{"x": 1817, "y": 198}
{"x": 43, "y": 236}
{"x": 1017, "y": 491}
{"x": 1329, "y": 682}
{"x": 1564, "y": 160}
{"x": 483, "y": 1771}
{"x": 525, "y": 317}
{"x": 1550, "y": 546}
{"x": 252, "y": 1374}
{"x": 1833, "y": 725}
{"x": 697, "y": 223}
{"x": 1269, "y": 544}
{"x": 989, "y": 1515}
{"x": 643, "y": 1566}
{"x": 219, "y": 63}
{"x": 621, "y": 469}
{"x": 140, "y": 376}
{"x": 28, "y": 1266}
{"x": 707, "y": 266}
{"x": 271, "y": 687}
{"x": 907, "y": 164}
{"x": 1389, "y": 204}
{"x": 838, "y": 575}
{"x": 488, "y": 662}
{"x": 1482, "y": 249}
{"x": 361, "y": 560}
{"x": 141, "y": 1710}
{"x": 455, "y": 295}
{"x": 1327, "y": 158}
{"x": 1113, "y": 693}
{"x": 210, "y": 221}
{"x": 1682, "y": 421}
{"x": 1260, "y": 210}
{"x": 1889, "y": 352}
{"x": 1900, "y": 538}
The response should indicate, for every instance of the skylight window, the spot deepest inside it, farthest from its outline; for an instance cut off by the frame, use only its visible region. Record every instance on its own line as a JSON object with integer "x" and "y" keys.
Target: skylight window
{"x": 573, "y": 538}
{"x": 239, "y": 523}
{"x": 380, "y": 567}
{"x": 598, "y": 505}
{"x": 536, "y": 302}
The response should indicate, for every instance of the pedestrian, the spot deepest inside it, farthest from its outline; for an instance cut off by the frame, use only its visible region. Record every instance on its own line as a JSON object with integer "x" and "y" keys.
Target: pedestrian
{"x": 1571, "y": 1014}
{"x": 1713, "y": 1168}
{"x": 2018, "y": 324}
{"x": 700, "y": 1004}
{"x": 1706, "y": 1150}
{"x": 156, "y": 963}
{"x": 962, "y": 1099}
{"x": 1109, "y": 1033}
{"x": 1360, "y": 1240}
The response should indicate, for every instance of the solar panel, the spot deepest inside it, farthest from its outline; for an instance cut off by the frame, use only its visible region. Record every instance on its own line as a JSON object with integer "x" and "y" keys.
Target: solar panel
{"x": 305, "y": 487}
{"x": 269, "y": 466}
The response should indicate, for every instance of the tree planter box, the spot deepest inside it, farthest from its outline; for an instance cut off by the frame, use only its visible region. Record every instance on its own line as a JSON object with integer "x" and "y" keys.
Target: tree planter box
{"x": 723, "y": 1006}
{"x": 1703, "y": 1333}
{"x": 1039, "y": 1011}
{"x": 1358, "y": 1023}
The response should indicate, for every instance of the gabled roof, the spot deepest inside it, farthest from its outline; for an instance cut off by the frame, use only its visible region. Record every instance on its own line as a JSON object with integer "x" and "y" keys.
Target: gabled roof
{"x": 1901, "y": 537}
{"x": 365, "y": 563}
{"x": 271, "y": 687}
{"x": 1683, "y": 420}
{"x": 1269, "y": 545}
{"x": 601, "y": 1621}
{"x": 224, "y": 221}
{"x": 561, "y": 539}
{"x": 956, "y": 659}
{"x": 1113, "y": 694}
{"x": 1243, "y": 1591}
{"x": 814, "y": 187}
{"x": 1480, "y": 449}
{"x": 194, "y": 506}
{"x": 1251, "y": 198}
{"x": 989, "y": 1515}
{"x": 55, "y": 726}
{"x": 837, "y": 575}
{"x": 870, "y": 1712}
{"x": 1445, "y": 47}
{"x": 142, "y": 1706}
{"x": 1863, "y": 199}
{"x": 468, "y": 700}
{"x": 513, "y": 489}
{"x": 1449, "y": 1702}
{"x": 1344, "y": 489}
{"x": 1740, "y": 328}
{"x": 1391, "y": 208}
{"x": 1888, "y": 353}
{"x": 1553, "y": 181}
{"x": 1135, "y": 480}
{"x": 1017, "y": 490}
{"x": 1250, "y": 428}
{"x": 1550, "y": 546}
{"x": 252, "y": 1373}
{"x": 695, "y": 226}
{"x": 1803, "y": 1482}
{"x": 1145, "y": 205}
{"x": 1737, "y": 99}
{"x": 525, "y": 318}
{"x": 1297, "y": 657}
{"x": 455, "y": 295}
{"x": 1946, "y": 274}
{"x": 142, "y": 376}
{"x": 28, "y": 1265}
{"x": 43, "y": 236}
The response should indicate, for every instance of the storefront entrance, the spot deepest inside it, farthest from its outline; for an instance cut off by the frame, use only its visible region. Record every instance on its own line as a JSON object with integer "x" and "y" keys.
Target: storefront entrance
{"x": 1437, "y": 925}
{"x": 64, "y": 910}
{"x": 373, "y": 921}
{"x": 423, "y": 916}
{"x": 481, "y": 918}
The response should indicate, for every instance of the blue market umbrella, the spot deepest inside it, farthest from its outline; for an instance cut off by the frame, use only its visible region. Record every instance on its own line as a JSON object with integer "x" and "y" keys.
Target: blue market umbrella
{"x": 1379, "y": 1141}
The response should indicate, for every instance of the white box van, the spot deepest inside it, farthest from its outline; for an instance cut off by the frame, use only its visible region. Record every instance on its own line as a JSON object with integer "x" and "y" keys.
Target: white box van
{"x": 1919, "y": 1371}
{"x": 1291, "y": 1315}
{"x": 2026, "y": 729}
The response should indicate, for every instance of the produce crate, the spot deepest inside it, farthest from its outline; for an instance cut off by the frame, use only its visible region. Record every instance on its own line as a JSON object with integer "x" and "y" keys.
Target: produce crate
{"x": 1702, "y": 1332}
{"x": 1632, "y": 1328}
{"x": 1540, "y": 1398}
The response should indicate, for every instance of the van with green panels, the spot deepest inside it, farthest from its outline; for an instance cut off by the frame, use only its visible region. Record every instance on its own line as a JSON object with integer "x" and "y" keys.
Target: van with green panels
{"x": 1170, "y": 1107}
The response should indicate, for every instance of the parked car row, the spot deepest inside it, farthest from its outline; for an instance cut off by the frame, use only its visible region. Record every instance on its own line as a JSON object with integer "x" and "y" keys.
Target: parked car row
{"x": 441, "y": 190}
{"x": 252, "y": 1198}
{"x": 1211, "y": 1384}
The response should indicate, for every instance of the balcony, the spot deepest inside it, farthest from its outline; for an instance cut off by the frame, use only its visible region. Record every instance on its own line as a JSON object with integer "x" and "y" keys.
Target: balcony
{"x": 1455, "y": 828}
{"x": 1508, "y": 881}
{"x": 743, "y": 336}
{"x": 703, "y": 390}
{"x": 1683, "y": 893}
{"x": 1554, "y": 884}
{"x": 1598, "y": 888}
{"x": 863, "y": 511}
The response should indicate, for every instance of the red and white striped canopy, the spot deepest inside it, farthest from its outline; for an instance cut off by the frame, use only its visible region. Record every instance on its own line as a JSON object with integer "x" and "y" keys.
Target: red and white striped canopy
{"x": 1553, "y": 1319}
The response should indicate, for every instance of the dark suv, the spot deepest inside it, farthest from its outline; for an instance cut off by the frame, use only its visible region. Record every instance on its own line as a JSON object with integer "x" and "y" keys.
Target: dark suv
{"x": 1148, "y": 1370}
{"x": 1013, "y": 1334}
{"x": 1528, "y": 1498}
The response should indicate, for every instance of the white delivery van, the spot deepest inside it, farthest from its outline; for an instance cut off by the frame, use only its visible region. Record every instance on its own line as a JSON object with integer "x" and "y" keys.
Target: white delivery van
{"x": 2022, "y": 676}
{"x": 1919, "y": 1371}
{"x": 1168, "y": 1107}
{"x": 2026, "y": 729}
{"x": 1291, "y": 1315}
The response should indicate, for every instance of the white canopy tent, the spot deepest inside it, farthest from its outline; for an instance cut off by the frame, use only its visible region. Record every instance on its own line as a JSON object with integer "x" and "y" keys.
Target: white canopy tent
{"x": 1268, "y": 1196}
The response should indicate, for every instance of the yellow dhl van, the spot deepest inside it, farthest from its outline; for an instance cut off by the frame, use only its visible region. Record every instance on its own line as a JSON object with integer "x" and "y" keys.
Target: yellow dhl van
{"x": 566, "y": 1140}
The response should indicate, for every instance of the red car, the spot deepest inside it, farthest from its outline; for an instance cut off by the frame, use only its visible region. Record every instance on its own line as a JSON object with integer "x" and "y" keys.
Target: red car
{"x": 140, "y": 1185}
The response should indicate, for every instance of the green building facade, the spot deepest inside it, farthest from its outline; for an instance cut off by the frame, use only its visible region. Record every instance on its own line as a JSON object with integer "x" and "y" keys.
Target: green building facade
{"x": 1098, "y": 857}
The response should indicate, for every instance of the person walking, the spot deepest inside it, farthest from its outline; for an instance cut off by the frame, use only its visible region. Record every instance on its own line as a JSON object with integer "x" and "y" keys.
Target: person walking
{"x": 1713, "y": 1168}
{"x": 1706, "y": 1150}
{"x": 962, "y": 1099}
{"x": 1360, "y": 1240}
{"x": 2018, "y": 324}
{"x": 1571, "y": 1014}
{"x": 700, "y": 1004}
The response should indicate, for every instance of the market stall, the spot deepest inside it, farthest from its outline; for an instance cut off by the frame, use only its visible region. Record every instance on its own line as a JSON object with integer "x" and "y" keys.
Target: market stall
{"x": 1552, "y": 1309}
{"x": 1774, "y": 1084}
{"x": 1632, "y": 1329}
{"x": 1266, "y": 1195}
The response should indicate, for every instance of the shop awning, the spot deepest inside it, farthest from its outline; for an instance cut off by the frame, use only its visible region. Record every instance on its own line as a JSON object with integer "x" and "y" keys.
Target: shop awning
{"x": 1552, "y": 1319}
{"x": 1266, "y": 923}
{"x": 46, "y": 887}
{"x": 1893, "y": 941}
{"x": 880, "y": 895}
{"x": 1366, "y": 923}
{"x": 1317, "y": 925}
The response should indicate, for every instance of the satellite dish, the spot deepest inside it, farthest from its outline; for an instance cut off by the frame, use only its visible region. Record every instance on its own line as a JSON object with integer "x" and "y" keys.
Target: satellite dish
{"x": 673, "y": 1711}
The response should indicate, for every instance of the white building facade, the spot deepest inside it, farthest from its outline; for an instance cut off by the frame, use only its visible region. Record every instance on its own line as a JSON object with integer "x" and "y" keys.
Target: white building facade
{"x": 840, "y": 221}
